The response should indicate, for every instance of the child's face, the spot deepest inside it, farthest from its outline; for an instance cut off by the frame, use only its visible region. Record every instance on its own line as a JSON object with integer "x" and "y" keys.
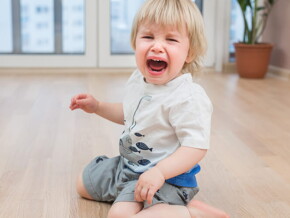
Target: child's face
{"x": 161, "y": 52}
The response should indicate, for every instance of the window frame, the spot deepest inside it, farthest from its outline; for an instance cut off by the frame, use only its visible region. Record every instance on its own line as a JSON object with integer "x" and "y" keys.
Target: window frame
{"x": 97, "y": 42}
{"x": 88, "y": 59}
{"x": 106, "y": 59}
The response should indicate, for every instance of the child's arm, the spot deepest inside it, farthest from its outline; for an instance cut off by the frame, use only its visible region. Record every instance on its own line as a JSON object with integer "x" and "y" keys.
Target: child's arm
{"x": 182, "y": 160}
{"x": 110, "y": 111}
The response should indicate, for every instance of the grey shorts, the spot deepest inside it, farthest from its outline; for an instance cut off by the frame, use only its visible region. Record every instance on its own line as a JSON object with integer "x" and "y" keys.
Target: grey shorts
{"x": 108, "y": 179}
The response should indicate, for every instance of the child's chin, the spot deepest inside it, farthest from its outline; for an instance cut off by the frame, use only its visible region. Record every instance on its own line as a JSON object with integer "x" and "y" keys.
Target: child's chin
{"x": 155, "y": 81}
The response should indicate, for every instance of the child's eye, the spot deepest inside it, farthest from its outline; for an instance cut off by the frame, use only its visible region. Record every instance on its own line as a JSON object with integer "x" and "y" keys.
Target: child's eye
{"x": 172, "y": 40}
{"x": 147, "y": 37}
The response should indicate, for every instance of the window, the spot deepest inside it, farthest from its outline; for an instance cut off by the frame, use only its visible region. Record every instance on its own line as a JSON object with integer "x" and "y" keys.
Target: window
{"x": 77, "y": 33}
{"x": 236, "y": 28}
{"x": 42, "y": 26}
{"x": 73, "y": 39}
{"x": 48, "y": 33}
{"x": 122, "y": 15}
{"x": 6, "y": 27}
{"x": 36, "y": 27}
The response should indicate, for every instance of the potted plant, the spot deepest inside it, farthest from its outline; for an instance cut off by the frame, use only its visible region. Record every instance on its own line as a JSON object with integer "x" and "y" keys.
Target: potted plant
{"x": 252, "y": 56}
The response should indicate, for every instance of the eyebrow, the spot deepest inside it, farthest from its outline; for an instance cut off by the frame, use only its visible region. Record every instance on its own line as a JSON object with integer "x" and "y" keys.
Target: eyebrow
{"x": 173, "y": 34}
{"x": 144, "y": 30}
{"x": 170, "y": 33}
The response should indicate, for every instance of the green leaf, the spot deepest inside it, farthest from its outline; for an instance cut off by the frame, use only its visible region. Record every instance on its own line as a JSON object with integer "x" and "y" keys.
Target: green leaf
{"x": 271, "y": 1}
{"x": 260, "y": 8}
{"x": 251, "y": 13}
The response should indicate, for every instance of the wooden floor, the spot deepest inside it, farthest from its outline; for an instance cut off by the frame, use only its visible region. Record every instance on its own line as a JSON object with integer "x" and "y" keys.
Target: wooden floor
{"x": 43, "y": 145}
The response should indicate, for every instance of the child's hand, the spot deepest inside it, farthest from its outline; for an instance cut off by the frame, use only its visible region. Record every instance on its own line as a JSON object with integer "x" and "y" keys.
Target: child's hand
{"x": 148, "y": 184}
{"x": 85, "y": 102}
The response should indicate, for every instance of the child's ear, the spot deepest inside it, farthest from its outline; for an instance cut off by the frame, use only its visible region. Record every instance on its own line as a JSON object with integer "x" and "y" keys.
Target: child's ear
{"x": 189, "y": 58}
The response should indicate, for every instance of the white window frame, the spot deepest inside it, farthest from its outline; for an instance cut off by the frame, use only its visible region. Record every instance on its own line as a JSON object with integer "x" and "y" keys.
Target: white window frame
{"x": 97, "y": 41}
{"x": 106, "y": 59}
{"x": 89, "y": 59}
{"x": 209, "y": 13}
{"x": 222, "y": 32}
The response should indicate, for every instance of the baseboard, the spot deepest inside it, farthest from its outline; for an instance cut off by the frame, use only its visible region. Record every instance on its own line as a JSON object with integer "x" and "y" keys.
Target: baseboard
{"x": 24, "y": 70}
{"x": 281, "y": 72}
{"x": 277, "y": 71}
{"x": 229, "y": 67}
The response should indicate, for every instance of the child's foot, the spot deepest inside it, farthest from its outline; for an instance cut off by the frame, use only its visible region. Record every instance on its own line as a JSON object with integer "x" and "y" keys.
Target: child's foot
{"x": 198, "y": 209}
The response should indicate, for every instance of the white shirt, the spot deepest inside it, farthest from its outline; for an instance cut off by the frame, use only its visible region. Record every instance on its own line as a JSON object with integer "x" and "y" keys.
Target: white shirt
{"x": 161, "y": 118}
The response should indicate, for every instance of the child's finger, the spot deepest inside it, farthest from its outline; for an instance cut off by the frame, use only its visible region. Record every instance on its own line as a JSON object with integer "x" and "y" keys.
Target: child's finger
{"x": 74, "y": 106}
{"x": 150, "y": 195}
{"x": 137, "y": 195}
{"x": 144, "y": 193}
{"x": 81, "y": 102}
{"x": 72, "y": 101}
{"x": 81, "y": 96}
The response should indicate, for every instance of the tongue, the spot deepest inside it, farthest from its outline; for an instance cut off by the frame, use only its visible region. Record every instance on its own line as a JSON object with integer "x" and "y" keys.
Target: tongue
{"x": 157, "y": 65}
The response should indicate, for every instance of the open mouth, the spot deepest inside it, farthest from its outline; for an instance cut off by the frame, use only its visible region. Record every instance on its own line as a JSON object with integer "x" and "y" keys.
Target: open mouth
{"x": 156, "y": 65}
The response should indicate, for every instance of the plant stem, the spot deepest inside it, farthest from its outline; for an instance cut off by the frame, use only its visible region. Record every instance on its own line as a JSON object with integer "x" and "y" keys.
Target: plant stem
{"x": 254, "y": 22}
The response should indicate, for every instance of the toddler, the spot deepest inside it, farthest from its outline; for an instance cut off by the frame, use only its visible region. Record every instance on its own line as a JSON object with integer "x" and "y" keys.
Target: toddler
{"x": 166, "y": 118}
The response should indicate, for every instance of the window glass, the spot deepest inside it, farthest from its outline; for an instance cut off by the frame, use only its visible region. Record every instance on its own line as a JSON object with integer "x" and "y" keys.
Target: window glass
{"x": 122, "y": 15}
{"x": 73, "y": 26}
{"x": 236, "y": 28}
{"x": 37, "y": 26}
{"x": 6, "y": 27}
{"x": 33, "y": 27}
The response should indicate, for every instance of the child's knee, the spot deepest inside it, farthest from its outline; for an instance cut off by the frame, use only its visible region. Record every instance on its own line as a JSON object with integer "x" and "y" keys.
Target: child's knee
{"x": 113, "y": 214}
{"x": 124, "y": 209}
{"x": 116, "y": 212}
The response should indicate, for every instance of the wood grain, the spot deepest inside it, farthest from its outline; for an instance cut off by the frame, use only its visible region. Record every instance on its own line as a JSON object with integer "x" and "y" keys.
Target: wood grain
{"x": 43, "y": 145}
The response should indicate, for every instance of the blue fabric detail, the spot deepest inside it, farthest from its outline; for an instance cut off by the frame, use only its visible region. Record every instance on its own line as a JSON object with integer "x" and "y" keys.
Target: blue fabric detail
{"x": 186, "y": 179}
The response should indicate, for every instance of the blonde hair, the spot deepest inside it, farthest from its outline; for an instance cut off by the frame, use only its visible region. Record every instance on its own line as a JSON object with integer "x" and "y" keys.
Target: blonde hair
{"x": 174, "y": 13}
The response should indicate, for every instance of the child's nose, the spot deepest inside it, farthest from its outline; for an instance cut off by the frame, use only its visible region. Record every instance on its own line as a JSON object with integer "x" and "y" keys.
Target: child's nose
{"x": 157, "y": 47}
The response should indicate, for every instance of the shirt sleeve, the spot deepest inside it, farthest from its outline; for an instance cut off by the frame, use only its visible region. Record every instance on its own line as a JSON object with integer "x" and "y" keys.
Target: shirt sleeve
{"x": 191, "y": 120}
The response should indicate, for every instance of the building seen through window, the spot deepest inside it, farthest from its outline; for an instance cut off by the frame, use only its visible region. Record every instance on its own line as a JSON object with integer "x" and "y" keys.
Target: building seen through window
{"x": 39, "y": 24}
{"x": 41, "y": 27}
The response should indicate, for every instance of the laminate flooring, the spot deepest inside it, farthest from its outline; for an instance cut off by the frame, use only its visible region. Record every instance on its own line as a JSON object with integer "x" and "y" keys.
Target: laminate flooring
{"x": 44, "y": 145}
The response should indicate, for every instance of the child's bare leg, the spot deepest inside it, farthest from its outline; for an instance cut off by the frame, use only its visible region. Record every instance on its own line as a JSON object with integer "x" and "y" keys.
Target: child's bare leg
{"x": 200, "y": 209}
{"x": 124, "y": 209}
{"x": 195, "y": 209}
{"x": 164, "y": 211}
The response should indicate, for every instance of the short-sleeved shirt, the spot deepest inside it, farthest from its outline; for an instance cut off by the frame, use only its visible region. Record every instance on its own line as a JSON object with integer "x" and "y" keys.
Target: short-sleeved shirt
{"x": 161, "y": 118}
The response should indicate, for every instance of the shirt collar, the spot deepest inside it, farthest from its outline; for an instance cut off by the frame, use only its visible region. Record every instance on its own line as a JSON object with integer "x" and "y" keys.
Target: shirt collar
{"x": 153, "y": 89}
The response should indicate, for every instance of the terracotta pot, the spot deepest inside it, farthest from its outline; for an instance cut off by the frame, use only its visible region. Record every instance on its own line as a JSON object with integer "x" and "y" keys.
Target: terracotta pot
{"x": 252, "y": 60}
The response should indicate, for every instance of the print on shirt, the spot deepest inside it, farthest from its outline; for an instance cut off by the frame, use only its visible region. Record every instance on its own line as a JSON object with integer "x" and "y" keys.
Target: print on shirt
{"x": 126, "y": 149}
{"x": 143, "y": 146}
{"x": 131, "y": 163}
{"x": 139, "y": 134}
{"x": 134, "y": 149}
{"x": 146, "y": 98}
{"x": 131, "y": 153}
{"x": 144, "y": 162}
